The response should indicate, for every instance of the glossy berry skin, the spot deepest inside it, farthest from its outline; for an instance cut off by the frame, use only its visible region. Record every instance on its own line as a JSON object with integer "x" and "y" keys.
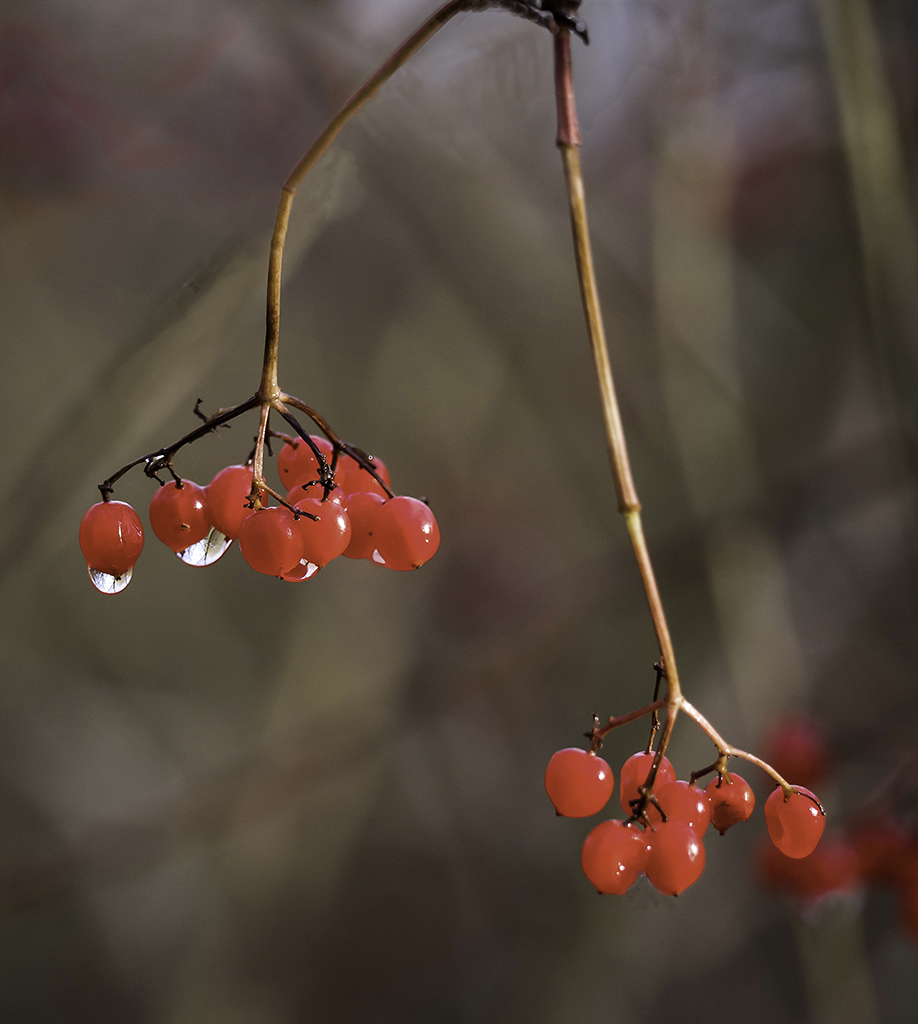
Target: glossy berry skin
{"x": 578, "y": 782}
{"x": 796, "y": 748}
{"x": 731, "y": 801}
{"x": 613, "y": 856}
{"x": 682, "y": 802}
{"x": 314, "y": 490}
{"x": 111, "y": 537}
{"x": 675, "y": 857}
{"x": 296, "y": 463}
{"x": 406, "y": 533}
{"x": 634, "y": 774}
{"x": 179, "y": 516}
{"x": 227, "y": 498}
{"x": 325, "y": 537}
{"x": 796, "y": 824}
{"x": 270, "y": 542}
{"x": 361, "y": 509}
{"x": 353, "y": 478}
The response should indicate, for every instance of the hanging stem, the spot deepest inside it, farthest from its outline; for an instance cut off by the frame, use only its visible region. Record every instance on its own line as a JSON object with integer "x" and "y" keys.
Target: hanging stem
{"x": 268, "y": 390}
{"x": 628, "y": 503}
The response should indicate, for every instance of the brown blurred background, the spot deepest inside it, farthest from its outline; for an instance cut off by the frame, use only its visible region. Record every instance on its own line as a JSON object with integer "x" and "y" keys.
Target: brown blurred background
{"x": 226, "y": 800}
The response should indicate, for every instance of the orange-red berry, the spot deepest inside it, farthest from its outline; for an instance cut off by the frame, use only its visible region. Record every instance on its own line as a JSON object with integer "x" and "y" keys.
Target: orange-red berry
{"x": 613, "y": 855}
{"x": 732, "y": 800}
{"x": 578, "y": 782}
{"x": 179, "y": 516}
{"x": 795, "y": 822}
{"x": 634, "y": 774}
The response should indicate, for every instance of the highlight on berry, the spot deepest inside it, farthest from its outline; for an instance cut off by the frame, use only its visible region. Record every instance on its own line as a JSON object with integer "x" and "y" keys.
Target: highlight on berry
{"x": 336, "y": 500}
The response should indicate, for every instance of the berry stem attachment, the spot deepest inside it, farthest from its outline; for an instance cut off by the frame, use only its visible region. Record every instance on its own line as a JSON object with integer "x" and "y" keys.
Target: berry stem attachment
{"x": 598, "y": 734}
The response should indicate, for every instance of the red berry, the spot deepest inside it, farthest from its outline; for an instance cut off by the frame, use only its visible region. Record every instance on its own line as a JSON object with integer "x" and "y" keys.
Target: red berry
{"x": 296, "y": 463}
{"x": 683, "y": 802}
{"x": 796, "y": 823}
{"x": 406, "y": 533}
{"x": 796, "y": 748}
{"x": 270, "y": 542}
{"x": 732, "y": 800}
{"x": 326, "y": 536}
{"x": 613, "y": 856}
{"x": 675, "y": 856}
{"x": 353, "y": 478}
{"x": 227, "y": 498}
{"x": 111, "y": 537}
{"x": 179, "y": 516}
{"x": 314, "y": 490}
{"x": 578, "y": 782}
{"x": 361, "y": 509}
{"x": 634, "y": 774}
{"x": 832, "y": 867}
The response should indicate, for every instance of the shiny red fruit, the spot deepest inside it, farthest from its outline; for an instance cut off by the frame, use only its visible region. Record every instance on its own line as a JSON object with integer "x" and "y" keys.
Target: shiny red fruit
{"x": 296, "y": 463}
{"x": 269, "y": 541}
{"x": 227, "y": 497}
{"x": 111, "y": 537}
{"x": 353, "y": 478}
{"x": 613, "y": 856}
{"x": 578, "y": 782}
{"x": 406, "y": 533}
{"x": 361, "y": 509}
{"x": 179, "y": 516}
{"x": 634, "y": 774}
{"x": 326, "y": 536}
{"x": 732, "y": 801}
{"x": 683, "y": 802}
{"x": 796, "y": 823}
{"x": 675, "y": 857}
{"x": 796, "y": 748}
{"x": 314, "y": 490}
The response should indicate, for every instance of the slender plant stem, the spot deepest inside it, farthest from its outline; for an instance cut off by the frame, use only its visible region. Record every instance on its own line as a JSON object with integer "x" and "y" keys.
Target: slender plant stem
{"x": 628, "y": 503}
{"x": 632, "y": 716}
{"x": 268, "y": 390}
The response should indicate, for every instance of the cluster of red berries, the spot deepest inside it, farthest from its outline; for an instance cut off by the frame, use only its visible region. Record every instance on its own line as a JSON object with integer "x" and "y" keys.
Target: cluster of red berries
{"x": 351, "y": 513}
{"x": 881, "y": 851}
{"x": 661, "y": 837}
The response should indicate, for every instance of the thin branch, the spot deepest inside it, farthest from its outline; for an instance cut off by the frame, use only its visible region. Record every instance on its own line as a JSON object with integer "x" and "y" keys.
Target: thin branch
{"x": 268, "y": 389}
{"x": 162, "y": 458}
{"x": 568, "y": 140}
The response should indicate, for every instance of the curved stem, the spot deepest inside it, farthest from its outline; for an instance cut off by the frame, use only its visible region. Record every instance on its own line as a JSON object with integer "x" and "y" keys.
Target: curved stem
{"x": 268, "y": 389}
{"x": 628, "y": 503}
{"x": 725, "y": 750}
{"x": 162, "y": 458}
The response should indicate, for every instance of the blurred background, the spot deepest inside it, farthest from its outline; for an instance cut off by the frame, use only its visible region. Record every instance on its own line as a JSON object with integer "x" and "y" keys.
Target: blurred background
{"x": 227, "y": 800}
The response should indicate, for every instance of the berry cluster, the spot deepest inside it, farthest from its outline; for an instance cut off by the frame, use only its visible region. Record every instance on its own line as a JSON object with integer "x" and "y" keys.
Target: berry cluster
{"x": 877, "y": 850}
{"x": 337, "y": 503}
{"x": 666, "y": 818}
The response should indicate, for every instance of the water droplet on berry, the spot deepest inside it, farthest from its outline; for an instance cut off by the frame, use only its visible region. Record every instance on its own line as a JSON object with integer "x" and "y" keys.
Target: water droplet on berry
{"x": 377, "y": 557}
{"x": 301, "y": 571}
{"x": 105, "y": 583}
{"x": 206, "y": 551}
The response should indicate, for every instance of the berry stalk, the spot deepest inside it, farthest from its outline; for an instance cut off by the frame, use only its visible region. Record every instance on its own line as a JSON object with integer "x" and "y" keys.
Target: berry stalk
{"x": 568, "y": 141}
